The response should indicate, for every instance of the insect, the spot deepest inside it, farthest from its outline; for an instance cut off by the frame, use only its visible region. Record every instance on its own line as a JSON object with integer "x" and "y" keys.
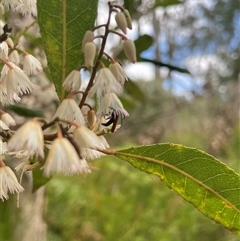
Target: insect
{"x": 6, "y": 31}
{"x": 113, "y": 119}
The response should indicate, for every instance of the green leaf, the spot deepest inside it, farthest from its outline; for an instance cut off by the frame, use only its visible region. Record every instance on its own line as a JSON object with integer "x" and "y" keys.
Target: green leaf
{"x": 134, "y": 91}
{"x": 165, "y": 3}
{"x": 38, "y": 179}
{"x": 211, "y": 186}
{"x": 143, "y": 43}
{"x": 23, "y": 111}
{"x": 62, "y": 26}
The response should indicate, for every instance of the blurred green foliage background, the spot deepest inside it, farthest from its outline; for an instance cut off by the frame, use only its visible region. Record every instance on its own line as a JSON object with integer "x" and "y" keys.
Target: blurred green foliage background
{"x": 118, "y": 202}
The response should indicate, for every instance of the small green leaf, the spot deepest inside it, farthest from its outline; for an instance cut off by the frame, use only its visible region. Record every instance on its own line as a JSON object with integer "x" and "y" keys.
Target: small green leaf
{"x": 62, "y": 26}
{"x": 38, "y": 179}
{"x": 23, "y": 111}
{"x": 134, "y": 91}
{"x": 165, "y": 3}
{"x": 143, "y": 43}
{"x": 211, "y": 186}
{"x": 128, "y": 104}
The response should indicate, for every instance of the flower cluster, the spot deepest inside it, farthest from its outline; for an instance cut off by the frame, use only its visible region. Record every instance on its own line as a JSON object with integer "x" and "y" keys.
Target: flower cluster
{"x": 75, "y": 135}
{"x": 14, "y": 79}
{"x": 22, "y": 6}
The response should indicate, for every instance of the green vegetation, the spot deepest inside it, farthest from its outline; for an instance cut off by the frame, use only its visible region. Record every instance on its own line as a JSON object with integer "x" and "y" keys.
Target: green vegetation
{"x": 118, "y": 202}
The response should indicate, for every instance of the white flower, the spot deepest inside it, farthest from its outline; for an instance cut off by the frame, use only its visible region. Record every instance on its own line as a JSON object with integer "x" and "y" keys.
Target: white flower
{"x": 3, "y": 50}
{"x": 118, "y": 72}
{"x": 63, "y": 158}
{"x": 3, "y": 126}
{"x": 69, "y": 110}
{"x": 8, "y": 120}
{"x": 4, "y": 98}
{"x": 111, "y": 104}
{"x": 29, "y": 7}
{"x": 28, "y": 137}
{"x": 5, "y": 70}
{"x": 84, "y": 166}
{"x": 73, "y": 81}
{"x": 3, "y": 147}
{"x": 17, "y": 82}
{"x": 89, "y": 143}
{"x": 105, "y": 82}
{"x": 31, "y": 66}
{"x": 8, "y": 182}
{"x": 21, "y": 6}
{"x": 14, "y": 57}
{"x": 13, "y": 4}
{"x": 10, "y": 42}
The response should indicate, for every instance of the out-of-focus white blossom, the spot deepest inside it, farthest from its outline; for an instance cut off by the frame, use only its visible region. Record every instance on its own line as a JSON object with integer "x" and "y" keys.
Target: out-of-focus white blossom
{"x": 73, "y": 81}
{"x": 105, "y": 82}
{"x": 28, "y": 137}
{"x": 10, "y": 42}
{"x": 111, "y": 104}
{"x": 22, "y": 6}
{"x": 8, "y": 120}
{"x": 89, "y": 143}
{"x": 8, "y": 182}
{"x": 3, "y": 50}
{"x": 31, "y": 66}
{"x": 14, "y": 57}
{"x": 118, "y": 72}
{"x": 3, "y": 147}
{"x": 3, "y": 126}
{"x": 12, "y": 4}
{"x": 63, "y": 158}
{"x": 17, "y": 82}
{"x": 29, "y": 7}
{"x": 69, "y": 110}
{"x": 4, "y": 97}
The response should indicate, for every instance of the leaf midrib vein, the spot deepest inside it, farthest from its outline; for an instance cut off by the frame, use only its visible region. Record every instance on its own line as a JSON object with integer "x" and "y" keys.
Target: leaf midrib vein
{"x": 162, "y": 163}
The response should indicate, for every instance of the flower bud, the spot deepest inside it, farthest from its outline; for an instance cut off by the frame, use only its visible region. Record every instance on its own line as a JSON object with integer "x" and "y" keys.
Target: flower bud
{"x": 128, "y": 18}
{"x": 91, "y": 118}
{"x": 7, "y": 119}
{"x": 14, "y": 57}
{"x": 88, "y": 37}
{"x": 90, "y": 52}
{"x": 121, "y": 21}
{"x": 10, "y": 42}
{"x": 118, "y": 72}
{"x": 130, "y": 50}
{"x": 3, "y": 50}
